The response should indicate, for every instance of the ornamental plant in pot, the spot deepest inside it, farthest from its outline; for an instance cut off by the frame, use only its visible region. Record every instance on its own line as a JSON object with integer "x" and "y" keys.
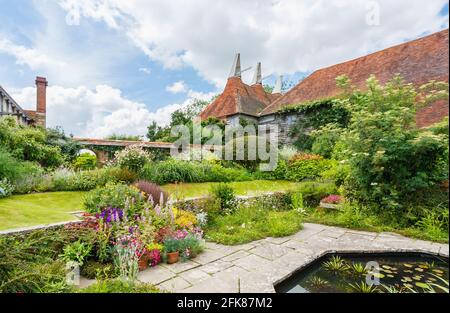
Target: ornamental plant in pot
{"x": 143, "y": 261}
{"x": 172, "y": 248}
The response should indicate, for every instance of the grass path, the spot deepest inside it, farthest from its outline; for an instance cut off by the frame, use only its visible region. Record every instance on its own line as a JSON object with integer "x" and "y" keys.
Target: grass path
{"x": 39, "y": 208}
{"x": 52, "y": 207}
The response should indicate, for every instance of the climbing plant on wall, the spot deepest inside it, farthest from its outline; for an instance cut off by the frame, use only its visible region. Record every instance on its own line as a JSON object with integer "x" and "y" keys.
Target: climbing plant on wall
{"x": 314, "y": 115}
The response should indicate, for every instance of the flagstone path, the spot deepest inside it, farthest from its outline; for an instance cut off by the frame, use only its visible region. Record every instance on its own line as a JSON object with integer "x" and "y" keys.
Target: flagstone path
{"x": 257, "y": 266}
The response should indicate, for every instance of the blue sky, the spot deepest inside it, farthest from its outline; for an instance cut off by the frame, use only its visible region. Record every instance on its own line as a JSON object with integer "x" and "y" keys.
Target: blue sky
{"x": 115, "y": 66}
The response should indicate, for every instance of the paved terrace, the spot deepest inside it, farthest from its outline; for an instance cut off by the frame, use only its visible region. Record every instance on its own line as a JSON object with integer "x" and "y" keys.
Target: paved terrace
{"x": 259, "y": 265}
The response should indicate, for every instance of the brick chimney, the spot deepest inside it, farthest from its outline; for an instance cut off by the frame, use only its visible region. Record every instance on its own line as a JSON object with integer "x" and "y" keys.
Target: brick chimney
{"x": 41, "y": 100}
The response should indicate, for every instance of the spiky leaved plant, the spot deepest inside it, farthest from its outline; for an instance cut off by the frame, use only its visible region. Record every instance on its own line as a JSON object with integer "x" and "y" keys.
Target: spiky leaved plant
{"x": 362, "y": 287}
{"x": 335, "y": 264}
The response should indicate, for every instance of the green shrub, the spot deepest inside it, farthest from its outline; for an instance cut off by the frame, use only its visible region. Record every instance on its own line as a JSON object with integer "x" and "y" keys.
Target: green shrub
{"x": 92, "y": 269}
{"x": 306, "y": 166}
{"x": 47, "y": 277}
{"x": 172, "y": 245}
{"x": 119, "y": 286}
{"x": 133, "y": 158}
{"x": 115, "y": 196}
{"x": 190, "y": 246}
{"x": 325, "y": 138}
{"x": 389, "y": 157}
{"x": 27, "y": 261}
{"x": 337, "y": 173}
{"x": 313, "y": 192}
{"x": 27, "y": 143}
{"x": 218, "y": 173}
{"x": 287, "y": 152}
{"x": 6, "y": 188}
{"x": 85, "y": 161}
{"x": 173, "y": 170}
{"x": 14, "y": 169}
{"x": 278, "y": 173}
{"x": 279, "y": 201}
{"x": 117, "y": 174}
{"x": 240, "y": 150}
{"x": 76, "y": 252}
{"x": 224, "y": 194}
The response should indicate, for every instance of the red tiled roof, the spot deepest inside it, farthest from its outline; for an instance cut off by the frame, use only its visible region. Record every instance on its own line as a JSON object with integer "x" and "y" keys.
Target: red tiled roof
{"x": 238, "y": 97}
{"x": 31, "y": 114}
{"x": 125, "y": 143}
{"x": 417, "y": 61}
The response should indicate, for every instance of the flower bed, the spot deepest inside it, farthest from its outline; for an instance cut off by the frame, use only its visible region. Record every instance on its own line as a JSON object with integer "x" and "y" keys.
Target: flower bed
{"x": 132, "y": 231}
{"x": 331, "y": 202}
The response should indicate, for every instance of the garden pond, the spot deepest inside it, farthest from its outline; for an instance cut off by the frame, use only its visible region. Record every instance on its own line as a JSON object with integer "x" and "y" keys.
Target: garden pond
{"x": 347, "y": 273}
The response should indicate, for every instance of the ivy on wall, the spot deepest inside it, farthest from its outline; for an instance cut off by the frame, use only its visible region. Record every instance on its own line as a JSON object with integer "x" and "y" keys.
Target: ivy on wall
{"x": 313, "y": 115}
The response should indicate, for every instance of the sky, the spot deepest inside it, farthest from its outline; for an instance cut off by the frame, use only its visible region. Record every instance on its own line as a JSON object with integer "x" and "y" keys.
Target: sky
{"x": 115, "y": 66}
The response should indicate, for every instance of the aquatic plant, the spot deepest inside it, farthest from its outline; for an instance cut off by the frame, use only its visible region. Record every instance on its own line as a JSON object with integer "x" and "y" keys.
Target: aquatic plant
{"x": 359, "y": 269}
{"x": 363, "y": 288}
{"x": 444, "y": 281}
{"x": 430, "y": 287}
{"x": 317, "y": 282}
{"x": 335, "y": 264}
{"x": 392, "y": 289}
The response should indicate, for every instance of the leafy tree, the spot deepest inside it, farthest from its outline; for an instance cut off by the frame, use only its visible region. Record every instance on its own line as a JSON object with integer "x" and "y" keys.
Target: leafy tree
{"x": 156, "y": 133}
{"x": 29, "y": 143}
{"x": 182, "y": 116}
{"x": 69, "y": 147}
{"x": 390, "y": 159}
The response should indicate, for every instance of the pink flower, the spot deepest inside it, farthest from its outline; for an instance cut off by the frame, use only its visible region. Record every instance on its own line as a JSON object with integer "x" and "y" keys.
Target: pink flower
{"x": 181, "y": 234}
{"x": 332, "y": 199}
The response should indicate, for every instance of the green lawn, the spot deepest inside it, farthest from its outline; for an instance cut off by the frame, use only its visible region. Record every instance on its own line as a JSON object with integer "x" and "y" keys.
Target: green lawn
{"x": 39, "y": 208}
{"x": 242, "y": 188}
{"x": 53, "y": 207}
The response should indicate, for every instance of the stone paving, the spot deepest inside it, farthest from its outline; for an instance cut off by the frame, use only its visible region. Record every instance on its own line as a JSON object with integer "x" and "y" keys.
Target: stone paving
{"x": 259, "y": 265}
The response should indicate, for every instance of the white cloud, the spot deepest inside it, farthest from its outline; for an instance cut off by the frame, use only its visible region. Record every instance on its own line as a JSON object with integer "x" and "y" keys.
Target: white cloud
{"x": 145, "y": 70}
{"x": 177, "y": 87}
{"x": 287, "y": 36}
{"x": 99, "y": 112}
{"x": 33, "y": 58}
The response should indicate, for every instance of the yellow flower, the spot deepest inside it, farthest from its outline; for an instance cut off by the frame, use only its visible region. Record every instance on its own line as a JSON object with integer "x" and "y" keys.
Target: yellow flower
{"x": 154, "y": 246}
{"x": 184, "y": 218}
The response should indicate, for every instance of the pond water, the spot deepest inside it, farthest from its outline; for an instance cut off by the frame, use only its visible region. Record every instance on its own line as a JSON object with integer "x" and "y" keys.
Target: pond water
{"x": 370, "y": 273}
